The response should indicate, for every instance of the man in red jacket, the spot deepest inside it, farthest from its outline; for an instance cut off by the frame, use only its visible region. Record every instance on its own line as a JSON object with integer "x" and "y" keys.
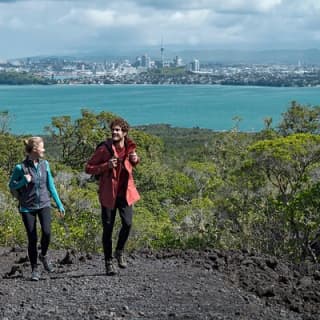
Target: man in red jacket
{"x": 113, "y": 161}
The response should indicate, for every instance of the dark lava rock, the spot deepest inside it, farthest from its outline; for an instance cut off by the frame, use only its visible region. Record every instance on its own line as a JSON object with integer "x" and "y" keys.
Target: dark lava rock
{"x": 172, "y": 284}
{"x": 271, "y": 263}
{"x": 69, "y": 258}
{"x": 14, "y": 272}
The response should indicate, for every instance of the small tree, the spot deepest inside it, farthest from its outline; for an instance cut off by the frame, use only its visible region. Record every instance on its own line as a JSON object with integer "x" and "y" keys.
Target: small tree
{"x": 11, "y": 151}
{"x": 288, "y": 163}
{"x": 4, "y": 121}
{"x": 76, "y": 140}
{"x": 300, "y": 119}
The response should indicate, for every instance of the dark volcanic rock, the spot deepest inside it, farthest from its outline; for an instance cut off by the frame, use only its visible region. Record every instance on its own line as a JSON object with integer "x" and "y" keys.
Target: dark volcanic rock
{"x": 172, "y": 284}
{"x": 69, "y": 258}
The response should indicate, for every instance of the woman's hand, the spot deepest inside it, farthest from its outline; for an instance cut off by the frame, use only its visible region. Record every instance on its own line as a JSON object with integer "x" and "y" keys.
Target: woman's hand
{"x": 60, "y": 213}
{"x": 28, "y": 177}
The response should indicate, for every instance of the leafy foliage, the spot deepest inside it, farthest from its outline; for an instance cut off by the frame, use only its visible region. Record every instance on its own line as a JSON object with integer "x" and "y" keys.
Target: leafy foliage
{"x": 12, "y": 151}
{"x": 4, "y": 122}
{"x": 300, "y": 119}
{"x": 286, "y": 161}
{"x": 74, "y": 141}
{"x": 199, "y": 188}
{"x": 20, "y": 78}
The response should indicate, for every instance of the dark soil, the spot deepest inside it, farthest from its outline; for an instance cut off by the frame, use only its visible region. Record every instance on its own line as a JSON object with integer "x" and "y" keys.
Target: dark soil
{"x": 210, "y": 284}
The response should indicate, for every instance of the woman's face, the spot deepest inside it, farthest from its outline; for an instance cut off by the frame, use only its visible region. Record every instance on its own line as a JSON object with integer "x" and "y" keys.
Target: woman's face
{"x": 39, "y": 150}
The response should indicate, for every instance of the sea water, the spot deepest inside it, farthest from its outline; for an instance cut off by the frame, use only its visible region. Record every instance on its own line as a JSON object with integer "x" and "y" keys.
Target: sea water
{"x": 31, "y": 108}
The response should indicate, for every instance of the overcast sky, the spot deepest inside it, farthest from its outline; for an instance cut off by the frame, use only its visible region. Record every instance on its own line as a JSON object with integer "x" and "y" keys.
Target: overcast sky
{"x": 40, "y": 27}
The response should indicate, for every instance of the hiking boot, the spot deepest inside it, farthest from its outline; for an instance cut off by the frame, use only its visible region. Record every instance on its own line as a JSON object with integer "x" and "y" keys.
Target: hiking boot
{"x": 110, "y": 269}
{"x": 46, "y": 263}
{"x": 122, "y": 263}
{"x": 35, "y": 275}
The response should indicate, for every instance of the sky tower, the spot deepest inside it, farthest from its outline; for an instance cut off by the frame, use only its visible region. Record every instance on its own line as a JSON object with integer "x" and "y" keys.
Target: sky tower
{"x": 161, "y": 51}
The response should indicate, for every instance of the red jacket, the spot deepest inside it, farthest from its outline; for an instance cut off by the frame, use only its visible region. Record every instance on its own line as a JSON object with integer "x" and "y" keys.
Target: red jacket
{"x": 108, "y": 182}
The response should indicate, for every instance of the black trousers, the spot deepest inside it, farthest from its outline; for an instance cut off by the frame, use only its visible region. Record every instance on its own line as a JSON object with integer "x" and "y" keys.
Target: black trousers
{"x": 108, "y": 217}
{"x": 30, "y": 223}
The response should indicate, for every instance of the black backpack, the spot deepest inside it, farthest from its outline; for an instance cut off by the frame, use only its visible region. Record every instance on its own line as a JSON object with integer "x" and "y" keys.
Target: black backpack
{"x": 96, "y": 177}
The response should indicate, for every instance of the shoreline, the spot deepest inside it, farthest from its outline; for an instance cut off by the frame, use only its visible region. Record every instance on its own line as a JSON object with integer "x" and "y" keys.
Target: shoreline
{"x": 76, "y": 84}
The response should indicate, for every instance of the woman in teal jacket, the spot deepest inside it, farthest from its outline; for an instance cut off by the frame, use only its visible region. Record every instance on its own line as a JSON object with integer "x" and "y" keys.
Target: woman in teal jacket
{"x": 34, "y": 182}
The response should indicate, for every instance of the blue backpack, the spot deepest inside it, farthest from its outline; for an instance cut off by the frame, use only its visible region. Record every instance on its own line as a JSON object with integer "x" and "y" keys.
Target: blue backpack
{"x": 17, "y": 192}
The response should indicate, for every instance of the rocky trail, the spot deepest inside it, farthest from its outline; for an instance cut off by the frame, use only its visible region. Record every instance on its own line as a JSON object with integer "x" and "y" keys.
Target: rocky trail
{"x": 210, "y": 284}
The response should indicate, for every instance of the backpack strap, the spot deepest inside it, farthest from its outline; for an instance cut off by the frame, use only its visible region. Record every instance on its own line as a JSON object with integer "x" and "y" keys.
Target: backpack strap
{"x": 109, "y": 148}
{"x": 24, "y": 168}
{"x": 108, "y": 145}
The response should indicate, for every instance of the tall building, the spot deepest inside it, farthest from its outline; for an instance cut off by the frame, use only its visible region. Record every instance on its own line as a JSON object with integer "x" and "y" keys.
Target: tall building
{"x": 195, "y": 65}
{"x": 177, "y": 61}
{"x": 145, "y": 61}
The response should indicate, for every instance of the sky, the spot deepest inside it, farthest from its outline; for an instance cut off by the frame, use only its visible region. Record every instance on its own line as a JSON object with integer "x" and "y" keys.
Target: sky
{"x": 68, "y": 27}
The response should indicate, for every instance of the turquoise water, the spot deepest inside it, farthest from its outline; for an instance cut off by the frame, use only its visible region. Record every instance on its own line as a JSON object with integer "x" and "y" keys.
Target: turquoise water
{"x": 214, "y": 107}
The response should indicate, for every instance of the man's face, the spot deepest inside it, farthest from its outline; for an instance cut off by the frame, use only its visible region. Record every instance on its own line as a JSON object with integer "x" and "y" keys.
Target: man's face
{"x": 117, "y": 134}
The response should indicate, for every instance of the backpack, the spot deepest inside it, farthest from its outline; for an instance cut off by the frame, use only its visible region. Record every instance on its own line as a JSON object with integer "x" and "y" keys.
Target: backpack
{"x": 17, "y": 192}
{"x": 96, "y": 177}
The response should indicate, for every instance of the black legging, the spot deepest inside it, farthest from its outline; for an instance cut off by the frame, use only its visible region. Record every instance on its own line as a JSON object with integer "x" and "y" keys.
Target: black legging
{"x": 108, "y": 218}
{"x": 30, "y": 223}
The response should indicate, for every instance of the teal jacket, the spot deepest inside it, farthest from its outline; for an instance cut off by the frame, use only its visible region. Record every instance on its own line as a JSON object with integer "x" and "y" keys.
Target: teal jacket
{"x": 35, "y": 194}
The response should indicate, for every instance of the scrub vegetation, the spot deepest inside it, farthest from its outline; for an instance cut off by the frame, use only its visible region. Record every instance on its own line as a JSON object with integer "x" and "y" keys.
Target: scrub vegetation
{"x": 23, "y": 78}
{"x": 200, "y": 188}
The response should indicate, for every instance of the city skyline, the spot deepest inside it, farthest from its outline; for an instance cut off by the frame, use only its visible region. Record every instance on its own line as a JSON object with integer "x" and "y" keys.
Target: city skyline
{"x": 61, "y": 27}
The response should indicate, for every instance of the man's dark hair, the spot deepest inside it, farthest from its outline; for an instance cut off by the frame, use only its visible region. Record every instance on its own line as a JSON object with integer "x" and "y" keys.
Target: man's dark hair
{"x": 123, "y": 124}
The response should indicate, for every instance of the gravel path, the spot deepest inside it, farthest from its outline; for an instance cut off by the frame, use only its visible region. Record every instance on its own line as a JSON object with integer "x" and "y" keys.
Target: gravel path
{"x": 168, "y": 285}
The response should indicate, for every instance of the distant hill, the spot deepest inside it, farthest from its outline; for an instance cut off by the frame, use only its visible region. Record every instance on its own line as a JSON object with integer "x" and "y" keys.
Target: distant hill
{"x": 21, "y": 78}
{"x": 285, "y": 56}
{"x": 309, "y": 56}
{"x": 306, "y": 56}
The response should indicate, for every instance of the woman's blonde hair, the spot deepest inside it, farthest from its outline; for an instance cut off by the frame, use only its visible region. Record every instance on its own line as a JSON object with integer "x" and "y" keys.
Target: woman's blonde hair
{"x": 32, "y": 143}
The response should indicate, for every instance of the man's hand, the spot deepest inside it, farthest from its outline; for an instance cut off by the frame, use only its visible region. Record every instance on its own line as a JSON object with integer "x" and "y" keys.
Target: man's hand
{"x": 113, "y": 163}
{"x": 133, "y": 157}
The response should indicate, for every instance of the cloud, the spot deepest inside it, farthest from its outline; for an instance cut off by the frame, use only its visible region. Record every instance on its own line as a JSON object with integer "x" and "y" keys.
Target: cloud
{"x": 57, "y": 25}
{"x": 15, "y": 23}
{"x": 239, "y": 6}
{"x": 101, "y": 18}
{"x": 249, "y": 6}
